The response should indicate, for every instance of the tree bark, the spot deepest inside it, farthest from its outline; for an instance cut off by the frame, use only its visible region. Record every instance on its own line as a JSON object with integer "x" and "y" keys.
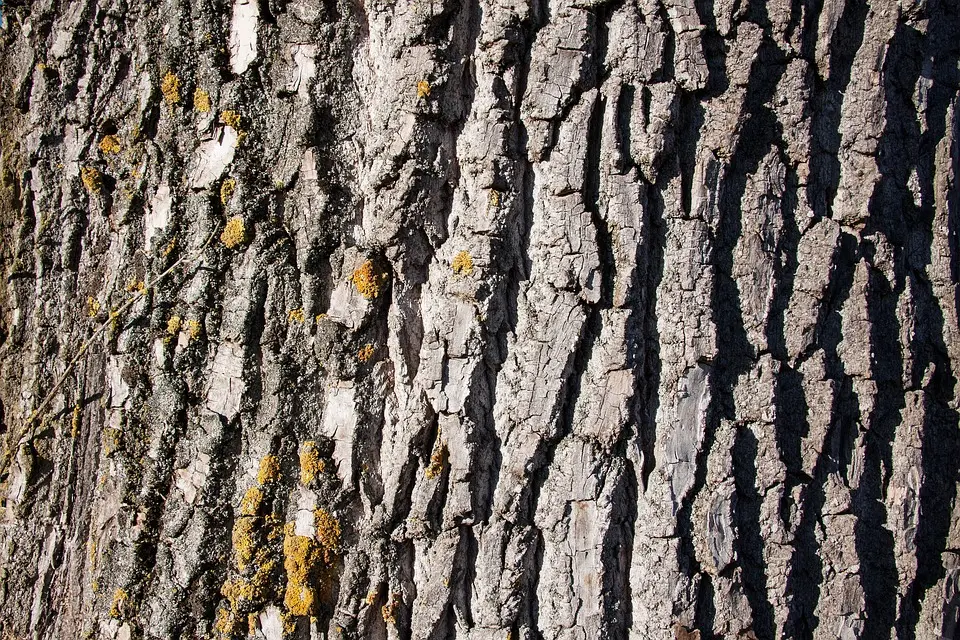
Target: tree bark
{"x": 488, "y": 319}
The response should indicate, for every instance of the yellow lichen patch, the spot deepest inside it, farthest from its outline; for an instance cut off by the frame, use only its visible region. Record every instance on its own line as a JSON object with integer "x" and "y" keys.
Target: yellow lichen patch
{"x": 423, "y": 89}
{"x": 437, "y": 458}
{"x": 372, "y": 596}
{"x": 173, "y": 325}
{"x": 234, "y": 120}
{"x": 244, "y": 593}
{"x": 494, "y": 201}
{"x": 272, "y": 523}
{"x": 298, "y": 599}
{"x": 93, "y": 307}
{"x": 120, "y": 598}
{"x": 366, "y": 280}
{"x": 75, "y": 420}
{"x": 310, "y": 463}
{"x": 234, "y": 233}
{"x": 111, "y": 441}
{"x": 365, "y": 353}
{"x": 462, "y": 264}
{"x": 170, "y": 88}
{"x": 201, "y": 101}
{"x": 167, "y": 250}
{"x": 390, "y": 610}
{"x": 251, "y": 502}
{"x": 193, "y": 329}
{"x": 328, "y": 533}
{"x": 248, "y": 592}
{"x": 226, "y": 622}
{"x": 110, "y": 144}
{"x": 227, "y": 190}
{"x": 92, "y": 180}
{"x": 114, "y": 317}
{"x": 244, "y": 544}
{"x": 269, "y": 469}
{"x": 301, "y": 557}
{"x": 231, "y": 119}
{"x": 251, "y": 623}
{"x": 136, "y": 286}
{"x": 296, "y": 315}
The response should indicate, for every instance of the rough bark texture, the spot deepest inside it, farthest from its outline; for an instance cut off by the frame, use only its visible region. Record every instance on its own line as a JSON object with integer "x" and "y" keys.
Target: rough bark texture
{"x": 492, "y": 319}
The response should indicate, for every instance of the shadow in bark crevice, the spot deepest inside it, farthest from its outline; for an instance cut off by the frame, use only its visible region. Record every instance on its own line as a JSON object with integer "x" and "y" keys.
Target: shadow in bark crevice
{"x": 932, "y": 369}
{"x": 827, "y": 102}
{"x": 805, "y": 576}
{"x": 760, "y": 132}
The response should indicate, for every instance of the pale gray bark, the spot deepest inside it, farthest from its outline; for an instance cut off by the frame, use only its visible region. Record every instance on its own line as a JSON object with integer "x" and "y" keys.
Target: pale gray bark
{"x": 546, "y": 320}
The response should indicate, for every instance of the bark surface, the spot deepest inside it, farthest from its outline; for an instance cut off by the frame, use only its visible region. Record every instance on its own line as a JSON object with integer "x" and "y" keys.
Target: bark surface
{"x": 556, "y": 319}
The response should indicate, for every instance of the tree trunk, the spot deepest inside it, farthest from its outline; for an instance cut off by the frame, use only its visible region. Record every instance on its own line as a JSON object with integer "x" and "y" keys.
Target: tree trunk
{"x": 487, "y": 319}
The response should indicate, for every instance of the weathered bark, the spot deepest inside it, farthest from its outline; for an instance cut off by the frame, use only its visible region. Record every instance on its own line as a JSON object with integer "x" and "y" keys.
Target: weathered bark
{"x": 487, "y": 319}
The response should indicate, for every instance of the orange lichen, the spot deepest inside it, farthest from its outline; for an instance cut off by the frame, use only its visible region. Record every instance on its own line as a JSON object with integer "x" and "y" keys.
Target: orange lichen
{"x": 136, "y": 286}
{"x": 257, "y": 560}
{"x": 423, "y": 89}
{"x": 111, "y": 441}
{"x": 272, "y": 522}
{"x": 365, "y": 353}
{"x": 244, "y": 543}
{"x": 244, "y": 593}
{"x": 231, "y": 119}
{"x": 301, "y": 557}
{"x": 92, "y": 180}
{"x": 390, "y": 610}
{"x": 226, "y": 622}
{"x": 269, "y": 469}
{"x": 298, "y": 599}
{"x": 227, "y": 189}
{"x": 234, "y": 120}
{"x": 110, "y": 144}
{"x": 437, "y": 458}
{"x": 367, "y": 281}
{"x": 114, "y": 317}
{"x": 494, "y": 200}
{"x": 234, "y": 233}
{"x": 201, "y": 101}
{"x": 462, "y": 264}
{"x": 117, "y": 608}
{"x": 170, "y": 88}
{"x": 252, "y": 501}
{"x": 193, "y": 329}
{"x": 328, "y": 533}
{"x": 75, "y": 420}
{"x": 310, "y": 463}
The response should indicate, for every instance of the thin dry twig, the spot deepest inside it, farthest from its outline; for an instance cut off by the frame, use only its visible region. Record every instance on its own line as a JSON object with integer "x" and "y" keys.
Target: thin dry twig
{"x": 24, "y": 431}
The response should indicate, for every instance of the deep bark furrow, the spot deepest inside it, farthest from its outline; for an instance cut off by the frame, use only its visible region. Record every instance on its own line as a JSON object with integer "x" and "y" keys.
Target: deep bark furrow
{"x": 541, "y": 320}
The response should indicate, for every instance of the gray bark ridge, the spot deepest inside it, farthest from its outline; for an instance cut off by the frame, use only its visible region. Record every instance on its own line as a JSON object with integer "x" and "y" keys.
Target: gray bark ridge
{"x": 426, "y": 319}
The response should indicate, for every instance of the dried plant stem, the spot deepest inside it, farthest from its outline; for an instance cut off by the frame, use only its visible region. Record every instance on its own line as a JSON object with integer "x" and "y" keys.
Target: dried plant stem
{"x": 35, "y": 414}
